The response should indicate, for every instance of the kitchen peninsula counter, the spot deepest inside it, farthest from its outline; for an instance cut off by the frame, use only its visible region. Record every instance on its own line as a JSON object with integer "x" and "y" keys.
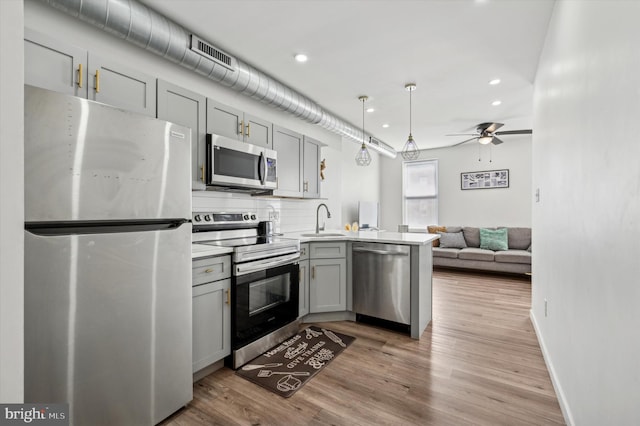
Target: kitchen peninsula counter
{"x": 365, "y": 236}
{"x": 420, "y": 275}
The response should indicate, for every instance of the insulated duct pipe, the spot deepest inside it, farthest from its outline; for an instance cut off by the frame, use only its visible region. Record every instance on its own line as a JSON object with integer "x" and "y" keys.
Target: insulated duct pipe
{"x": 144, "y": 27}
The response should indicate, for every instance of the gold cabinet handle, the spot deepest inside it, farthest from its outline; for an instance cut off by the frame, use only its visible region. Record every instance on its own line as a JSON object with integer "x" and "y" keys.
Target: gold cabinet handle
{"x": 80, "y": 75}
{"x": 202, "y": 172}
{"x": 248, "y": 134}
{"x": 208, "y": 271}
{"x": 97, "y": 81}
{"x": 228, "y": 291}
{"x": 240, "y": 127}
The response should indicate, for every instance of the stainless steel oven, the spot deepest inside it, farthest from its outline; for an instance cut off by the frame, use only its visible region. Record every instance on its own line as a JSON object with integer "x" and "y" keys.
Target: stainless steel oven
{"x": 265, "y": 281}
{"x": 231, "y": 164}
{"x": 263, "y": 300}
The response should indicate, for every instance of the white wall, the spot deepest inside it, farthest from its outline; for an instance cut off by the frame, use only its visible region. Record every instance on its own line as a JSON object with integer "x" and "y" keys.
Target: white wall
{"x": 11, "y": 207}
{"x": 358, "y": 183}
{"x": 586, "y": 227}
{"x": 483, "y": 207}
{"x": 295, "y": 214}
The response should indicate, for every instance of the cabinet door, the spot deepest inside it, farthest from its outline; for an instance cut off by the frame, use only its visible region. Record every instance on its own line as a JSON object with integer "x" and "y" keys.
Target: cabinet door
{"x": 54, "y": 65}
{"x": 187, "y": 108}
{"x": 327, "y": 285}
{"x": 257, "y": 131}
{"x": 303, "y": 305}
{"x": 288, "y": 144}
{"x": 211, "y": 323}
{"x": 311, "y": 168}
{"x": 123, "y": 87}
{"x": 224, "y": 120}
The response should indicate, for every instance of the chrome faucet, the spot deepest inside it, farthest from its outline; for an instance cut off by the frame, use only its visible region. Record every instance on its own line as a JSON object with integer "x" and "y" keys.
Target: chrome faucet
{"x": 318, "y": 217}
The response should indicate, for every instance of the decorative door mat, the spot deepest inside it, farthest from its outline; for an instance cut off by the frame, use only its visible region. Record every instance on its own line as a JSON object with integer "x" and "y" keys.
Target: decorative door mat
{"x": 287, "y": 367}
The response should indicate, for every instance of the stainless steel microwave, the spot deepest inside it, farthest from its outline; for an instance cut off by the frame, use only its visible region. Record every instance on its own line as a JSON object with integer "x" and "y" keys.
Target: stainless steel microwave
{"x": 238, "y": 166}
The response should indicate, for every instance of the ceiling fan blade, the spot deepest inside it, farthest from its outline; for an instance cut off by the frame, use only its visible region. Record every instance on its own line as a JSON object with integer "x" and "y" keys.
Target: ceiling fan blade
{"x": 489, "y": 127}
{"x": 460, "y": 143}
{"x": 463, "y": 134}
{"x": 496, "y": 141}
{"x": 515, "y": 132}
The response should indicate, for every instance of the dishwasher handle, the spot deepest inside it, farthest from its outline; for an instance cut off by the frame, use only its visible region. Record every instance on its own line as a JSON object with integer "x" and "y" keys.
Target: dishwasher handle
{"x": 382, "y": 252}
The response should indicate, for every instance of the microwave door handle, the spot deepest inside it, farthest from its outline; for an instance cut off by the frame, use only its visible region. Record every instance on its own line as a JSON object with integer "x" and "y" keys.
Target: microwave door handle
{"x": 262, "y": 166}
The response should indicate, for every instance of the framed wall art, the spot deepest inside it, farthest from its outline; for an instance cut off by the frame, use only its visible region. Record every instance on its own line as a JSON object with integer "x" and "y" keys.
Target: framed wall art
{"x": 488, "y": 179}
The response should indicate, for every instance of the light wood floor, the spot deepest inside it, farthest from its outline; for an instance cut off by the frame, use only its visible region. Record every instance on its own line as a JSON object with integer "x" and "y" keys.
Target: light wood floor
{"x": 477, "y": 363}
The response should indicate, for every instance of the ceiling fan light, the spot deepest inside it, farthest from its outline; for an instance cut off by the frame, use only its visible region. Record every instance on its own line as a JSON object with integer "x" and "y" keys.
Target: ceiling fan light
{"x": 484, "y": 140}
{"x": 363, "y": 158}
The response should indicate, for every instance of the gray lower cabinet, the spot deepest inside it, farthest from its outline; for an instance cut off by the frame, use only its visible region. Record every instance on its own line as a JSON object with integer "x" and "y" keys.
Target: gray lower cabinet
{"x": 303, "y": 306}
{"x": 211, "y": 311}
{"x": 327, "y": 277}
{"x": 233, "y": 123}
{"x": 187, "y": 108}
{"x": 62, "y": 67}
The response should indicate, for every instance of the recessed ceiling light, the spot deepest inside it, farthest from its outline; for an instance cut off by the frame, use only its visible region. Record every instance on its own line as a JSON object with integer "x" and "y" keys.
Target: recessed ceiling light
{"x": 370, "y": 109}
{"x": 385, "y": 125}
{"x": 301, "y": 57}
{"x": 496, "y": 103}
{"x": 494, "y": 81}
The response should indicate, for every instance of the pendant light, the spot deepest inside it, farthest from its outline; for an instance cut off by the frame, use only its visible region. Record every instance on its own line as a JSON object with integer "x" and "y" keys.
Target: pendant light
{"x": 410, "y": 150}
{"x": 363, "y": 158}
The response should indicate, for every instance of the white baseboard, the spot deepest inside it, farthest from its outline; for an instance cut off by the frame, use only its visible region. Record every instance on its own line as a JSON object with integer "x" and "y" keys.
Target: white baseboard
{"x": 562, "y": 400}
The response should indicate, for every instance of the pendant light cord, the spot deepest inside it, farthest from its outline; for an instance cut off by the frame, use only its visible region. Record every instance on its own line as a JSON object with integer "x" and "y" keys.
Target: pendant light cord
{"x": 410, "y": 113}
{"x": 363, "y": 99}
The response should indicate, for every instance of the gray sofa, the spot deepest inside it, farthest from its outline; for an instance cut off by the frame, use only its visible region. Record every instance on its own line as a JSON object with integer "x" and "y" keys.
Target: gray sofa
{"x": 517, "y": 259}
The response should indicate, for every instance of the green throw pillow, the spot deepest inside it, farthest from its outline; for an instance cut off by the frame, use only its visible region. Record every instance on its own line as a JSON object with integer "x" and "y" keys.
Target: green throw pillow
{"x": 494, "y": 239}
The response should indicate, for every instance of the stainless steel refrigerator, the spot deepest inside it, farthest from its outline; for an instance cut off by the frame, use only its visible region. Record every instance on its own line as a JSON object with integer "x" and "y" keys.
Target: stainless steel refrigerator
{"x": 107, "y": 261}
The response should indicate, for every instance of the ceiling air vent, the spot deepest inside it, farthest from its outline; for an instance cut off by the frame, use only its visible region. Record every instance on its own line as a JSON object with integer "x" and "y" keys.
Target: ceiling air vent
{"x": 205, "y": 49}
{"x": 373, "y": 141}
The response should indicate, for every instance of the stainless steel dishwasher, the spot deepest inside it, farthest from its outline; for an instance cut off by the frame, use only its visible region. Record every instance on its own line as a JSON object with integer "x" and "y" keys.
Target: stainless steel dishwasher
{"x": 381, "y": 281}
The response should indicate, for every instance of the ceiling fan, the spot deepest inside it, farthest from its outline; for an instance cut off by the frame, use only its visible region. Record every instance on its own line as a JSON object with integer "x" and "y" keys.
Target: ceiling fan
{"x": 486, "y": 133}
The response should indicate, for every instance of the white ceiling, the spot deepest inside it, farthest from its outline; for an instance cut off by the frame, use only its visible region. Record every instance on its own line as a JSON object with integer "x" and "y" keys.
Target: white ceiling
{"x": 449, "y": 48}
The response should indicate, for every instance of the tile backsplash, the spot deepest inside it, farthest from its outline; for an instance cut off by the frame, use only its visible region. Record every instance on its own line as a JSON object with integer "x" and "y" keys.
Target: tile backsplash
{"x": 294, "y": 214}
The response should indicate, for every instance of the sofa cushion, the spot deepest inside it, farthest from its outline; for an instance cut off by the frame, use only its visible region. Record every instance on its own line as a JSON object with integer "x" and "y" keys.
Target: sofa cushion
{"x": 519, "y": 238}
{"x": 445, "y": 252}
{"x": 472, "y": 253}
{"x": 513, "y": 256}
{"x": 454, "y": 228}
{"x": 452, "y": 240}
{"x": 494, "y": 239}
{"x": 432, "y": 229}
{"x": 471, "y": 236}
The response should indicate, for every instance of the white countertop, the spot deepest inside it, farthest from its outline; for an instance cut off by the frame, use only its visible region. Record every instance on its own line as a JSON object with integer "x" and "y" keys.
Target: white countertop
{"x": 203, "y": 250}
{"x": 368, "y": 236}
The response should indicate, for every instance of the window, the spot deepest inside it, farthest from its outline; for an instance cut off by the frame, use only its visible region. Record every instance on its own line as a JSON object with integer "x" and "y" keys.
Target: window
{"x": 420, "y": 194}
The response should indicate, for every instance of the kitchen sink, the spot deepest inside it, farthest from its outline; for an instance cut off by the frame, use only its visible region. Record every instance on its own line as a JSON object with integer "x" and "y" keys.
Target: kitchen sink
{"x": 327, "y": 234}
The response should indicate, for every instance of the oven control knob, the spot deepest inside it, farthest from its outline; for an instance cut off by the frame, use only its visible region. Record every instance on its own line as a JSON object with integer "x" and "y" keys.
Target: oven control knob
{"x": 245, "y": 217}
{"x": 197, "y": 218}
{"x": 207, "y": 218}
{"x": 253, "y": 217}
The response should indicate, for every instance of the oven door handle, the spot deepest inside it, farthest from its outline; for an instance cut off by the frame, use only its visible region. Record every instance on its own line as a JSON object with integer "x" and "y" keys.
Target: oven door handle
{"x": 261, "y": 265}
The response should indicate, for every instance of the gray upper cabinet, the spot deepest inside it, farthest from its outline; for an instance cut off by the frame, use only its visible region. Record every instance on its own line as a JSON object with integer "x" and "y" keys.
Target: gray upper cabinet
{"x": 121, "y": 86}
{"x": 289, "y": 147}
{"x": 187, "y": 108}
{"x": 55, "y": 65}
{"x": 233, "y": 123}
{"x": 311, "y": 169}
{"x": 298, "y": 164}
